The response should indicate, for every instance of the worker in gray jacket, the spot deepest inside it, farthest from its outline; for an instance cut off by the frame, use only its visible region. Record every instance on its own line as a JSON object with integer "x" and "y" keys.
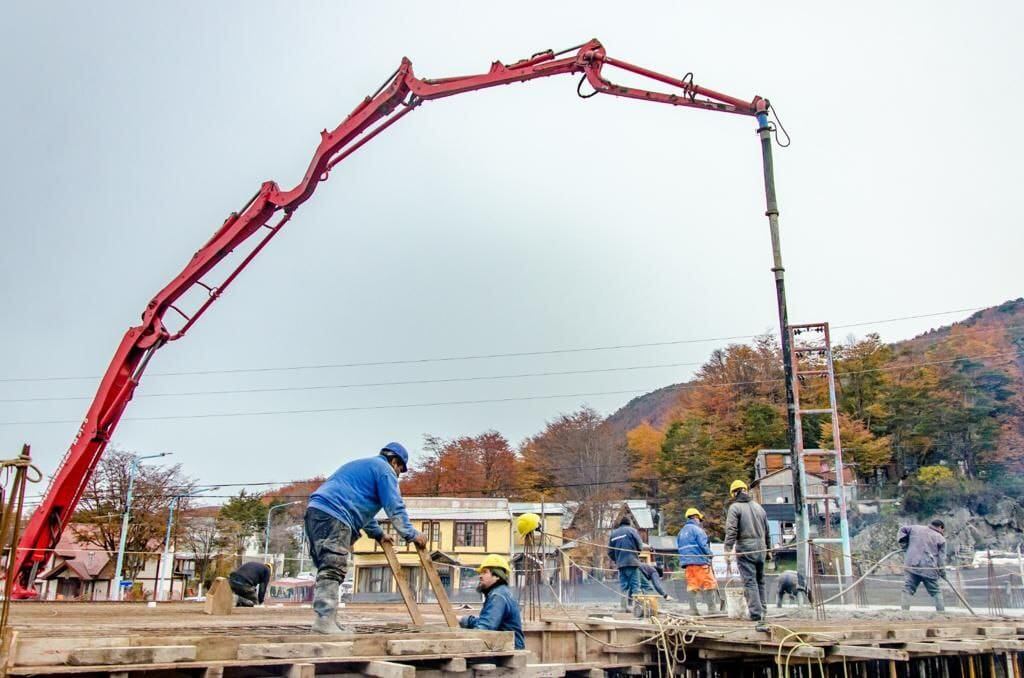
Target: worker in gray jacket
{"x": 925, "y": 556}
{"x": 746, "y": 532}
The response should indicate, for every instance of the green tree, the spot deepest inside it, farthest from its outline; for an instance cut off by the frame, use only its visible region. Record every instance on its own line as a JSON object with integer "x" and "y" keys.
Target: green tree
{"x": 248, "y": 513}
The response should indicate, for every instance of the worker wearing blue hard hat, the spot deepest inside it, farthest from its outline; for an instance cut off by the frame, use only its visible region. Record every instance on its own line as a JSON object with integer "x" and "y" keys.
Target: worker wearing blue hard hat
{"x": 344, "y": 504}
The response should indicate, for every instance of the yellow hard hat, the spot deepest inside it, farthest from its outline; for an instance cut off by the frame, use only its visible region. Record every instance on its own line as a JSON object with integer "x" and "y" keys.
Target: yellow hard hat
{"x": 270, "y": 566}
{"x": 737, "y": 485}
{"x": 493, "y": 561}
{"x": 527, "y": 523}
{"x": 694, "y": 512}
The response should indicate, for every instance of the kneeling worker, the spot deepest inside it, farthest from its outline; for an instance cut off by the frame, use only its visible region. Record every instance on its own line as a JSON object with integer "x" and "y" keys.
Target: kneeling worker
{"x": 792, "y": 584}
{"x": 346, "y": 503}
{"x": 500, "y": 611}
{"x": 249, "y": 583}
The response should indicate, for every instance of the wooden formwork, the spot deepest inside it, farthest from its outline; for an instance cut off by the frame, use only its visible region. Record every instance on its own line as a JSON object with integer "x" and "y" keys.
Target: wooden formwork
{"x": 114, "y": 641}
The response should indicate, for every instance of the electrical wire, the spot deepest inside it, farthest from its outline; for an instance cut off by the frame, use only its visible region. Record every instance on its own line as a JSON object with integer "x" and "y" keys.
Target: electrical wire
{"x": 488, "y": 356}
{"x": 360, "y": 408}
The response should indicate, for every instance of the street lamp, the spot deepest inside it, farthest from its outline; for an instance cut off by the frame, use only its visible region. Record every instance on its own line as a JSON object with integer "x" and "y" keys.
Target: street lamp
{"x": 132, "y": 470}
{"x": 266, "y": 542}
{"x": 164, "y": 565}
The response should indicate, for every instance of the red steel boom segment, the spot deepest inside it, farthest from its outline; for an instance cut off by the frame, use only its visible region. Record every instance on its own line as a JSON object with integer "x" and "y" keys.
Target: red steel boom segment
{"x": 402, "y": 91}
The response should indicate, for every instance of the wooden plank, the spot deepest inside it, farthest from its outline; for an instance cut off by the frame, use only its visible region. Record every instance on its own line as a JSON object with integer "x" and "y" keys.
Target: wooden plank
{"x": 296, "y": 671}
{"x": 217, "y": 672}
{"x": 51, "y": 651}
{"x": 453, "y": 665}
{"x": 908, "y": 634}
{"x": 948, "y": 632}
{"x": 385, "y": 669}
{"x": 997, "y": 631}
{"x": 294, "y": 650}
{"x": 113, "y": 656}
{"x": 438, "y": 588}
{"x": 921, "y": 648}
{"x": 403, "y": 585}
{"x": 737, "y": 650}
{"x": 219, "y": 599}
{"x": 1006, "y": 644}
{"x": 581, "y": 647}
{"x": 403, "y": 648}
{"x": 867, "y": 652}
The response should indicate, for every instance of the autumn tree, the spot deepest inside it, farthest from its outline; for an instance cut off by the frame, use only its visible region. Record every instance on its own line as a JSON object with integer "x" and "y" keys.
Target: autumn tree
{"x": 104, "y": 502}
{"x": 247, "y": 516}
{"x": 482, "y": 465}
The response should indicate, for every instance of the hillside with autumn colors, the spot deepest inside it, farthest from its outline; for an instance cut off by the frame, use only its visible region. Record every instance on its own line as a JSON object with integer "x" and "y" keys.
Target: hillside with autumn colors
{"x": 951, "y": 397}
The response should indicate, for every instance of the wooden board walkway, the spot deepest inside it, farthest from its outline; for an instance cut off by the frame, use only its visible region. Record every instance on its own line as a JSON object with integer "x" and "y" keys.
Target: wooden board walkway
{"x": 123, "y": 640}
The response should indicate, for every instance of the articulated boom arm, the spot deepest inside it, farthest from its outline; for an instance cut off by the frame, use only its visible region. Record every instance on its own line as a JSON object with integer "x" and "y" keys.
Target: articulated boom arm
{"x": 399, "y": 95}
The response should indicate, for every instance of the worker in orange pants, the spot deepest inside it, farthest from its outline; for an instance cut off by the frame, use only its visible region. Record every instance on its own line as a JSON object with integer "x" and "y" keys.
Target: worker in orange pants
{"x": 695, "y": 555}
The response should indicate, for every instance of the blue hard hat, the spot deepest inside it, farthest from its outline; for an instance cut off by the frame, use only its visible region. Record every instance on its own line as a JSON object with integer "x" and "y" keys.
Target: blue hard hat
{"x": 397, "y": 450}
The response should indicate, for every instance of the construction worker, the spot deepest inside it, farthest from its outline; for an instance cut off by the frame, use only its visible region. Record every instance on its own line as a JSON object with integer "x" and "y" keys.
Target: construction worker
{"x": 342, "y": 506}
{"x": 500, "y": 611}
{"x": 249, "y": 583}
{"x": 925, "y": 556}
{"x": 624, "y": 546}
{"x": 695, "y": 555}
{"x": 792, "y": 584}
{"x": 650, "y": 579}
{"x": 746, "y": 533}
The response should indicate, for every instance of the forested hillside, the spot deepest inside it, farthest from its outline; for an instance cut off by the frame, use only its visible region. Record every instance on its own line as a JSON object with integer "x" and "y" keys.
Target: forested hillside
{"x": 952, "y": 397}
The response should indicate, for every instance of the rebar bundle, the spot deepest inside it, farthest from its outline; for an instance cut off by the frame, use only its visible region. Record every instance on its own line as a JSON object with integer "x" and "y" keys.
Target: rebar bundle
{"x": 996, "y": 596}
{"x": 814, "y": 583}
{"x": 532, "y": 577}
{"x": 12, "y": 503}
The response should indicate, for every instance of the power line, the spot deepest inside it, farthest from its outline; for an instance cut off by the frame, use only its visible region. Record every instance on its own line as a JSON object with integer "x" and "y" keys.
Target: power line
{"x": 280, "y": 389}
{"x": 482, "y": 356}
{"x": 363, "y": 408}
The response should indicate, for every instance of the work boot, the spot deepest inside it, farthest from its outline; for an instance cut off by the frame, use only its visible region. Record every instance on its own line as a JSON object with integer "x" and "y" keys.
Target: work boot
{"x": 940, "y": 606}
{"x": 709, "y": 601}
{"x": 693, "y": 604}
{"x": 325, "y": 604}
{"x": 905, "y": 600}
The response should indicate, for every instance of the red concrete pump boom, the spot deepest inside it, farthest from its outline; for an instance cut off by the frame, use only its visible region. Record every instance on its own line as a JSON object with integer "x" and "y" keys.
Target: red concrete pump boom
{"x": 398, "y": 96}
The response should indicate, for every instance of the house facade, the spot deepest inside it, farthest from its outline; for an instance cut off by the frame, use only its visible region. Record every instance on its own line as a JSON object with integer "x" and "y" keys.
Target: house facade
{"x": 461, "y": 531}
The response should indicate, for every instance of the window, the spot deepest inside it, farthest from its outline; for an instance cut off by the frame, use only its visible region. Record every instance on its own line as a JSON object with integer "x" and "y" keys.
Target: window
{"x": 433, "y": 532}
{"x": 469, "y": 534}
{"x": 377, "y": 579}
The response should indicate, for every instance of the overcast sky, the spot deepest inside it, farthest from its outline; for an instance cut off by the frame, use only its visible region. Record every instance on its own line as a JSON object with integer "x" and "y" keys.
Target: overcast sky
{"x": 518, "y": 219}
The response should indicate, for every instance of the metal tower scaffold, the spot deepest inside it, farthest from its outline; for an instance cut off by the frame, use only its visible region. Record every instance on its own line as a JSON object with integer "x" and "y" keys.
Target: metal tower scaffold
{"x": 811, "y": 362}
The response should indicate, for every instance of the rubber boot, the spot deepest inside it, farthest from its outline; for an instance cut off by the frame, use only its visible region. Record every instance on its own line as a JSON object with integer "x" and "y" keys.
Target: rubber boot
{"x": 709, "y": 601}
{"x": 940, "y": 606}
{"x": 325, "y": 604}
{"x": 905, "y": 600}
{"x": 693, "y": 604}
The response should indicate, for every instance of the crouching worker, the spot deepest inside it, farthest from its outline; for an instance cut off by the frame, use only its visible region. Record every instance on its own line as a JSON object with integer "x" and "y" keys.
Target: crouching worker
{"x": 345, "y": 504}
{"x": 791, "y": 584}
{"x": 500, "y": 611}
{"x": 650, "y": 579}
{"x": 249, "y": 583}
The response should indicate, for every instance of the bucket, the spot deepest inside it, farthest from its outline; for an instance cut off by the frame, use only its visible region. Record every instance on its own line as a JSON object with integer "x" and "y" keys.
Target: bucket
{"x": 735, "y": 604}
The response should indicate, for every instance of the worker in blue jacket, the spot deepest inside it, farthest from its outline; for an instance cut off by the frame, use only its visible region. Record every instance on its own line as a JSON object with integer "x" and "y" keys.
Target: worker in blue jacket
{"x": 624, "y": 546}
{"x": 342, "y": 506}
{"x": 500, "y": 611}
{"x": 695, "y": 557}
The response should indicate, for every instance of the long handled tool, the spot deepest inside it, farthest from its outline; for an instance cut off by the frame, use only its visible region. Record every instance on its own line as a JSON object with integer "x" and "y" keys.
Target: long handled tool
{"x": 432, "y": 578}
{"x": 942, "y": 575}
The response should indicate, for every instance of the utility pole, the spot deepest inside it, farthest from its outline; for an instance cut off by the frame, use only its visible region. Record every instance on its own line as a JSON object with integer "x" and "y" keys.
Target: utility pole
{"x": 132, "y": 470}
{"x": 164, "y": 564}
{"x": 764, "y": 131}
{"x": 266, "y": 541}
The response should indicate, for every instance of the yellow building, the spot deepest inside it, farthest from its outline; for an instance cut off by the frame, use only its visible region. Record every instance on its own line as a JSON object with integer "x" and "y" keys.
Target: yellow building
{"x": 461, "y": 531}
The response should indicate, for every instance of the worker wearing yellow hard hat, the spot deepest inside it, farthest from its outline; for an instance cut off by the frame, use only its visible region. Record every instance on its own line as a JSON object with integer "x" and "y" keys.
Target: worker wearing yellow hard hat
{"x": 746, "y": 533}
{"x": 500, "y": 611}
{"x": 695, "y": 556}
